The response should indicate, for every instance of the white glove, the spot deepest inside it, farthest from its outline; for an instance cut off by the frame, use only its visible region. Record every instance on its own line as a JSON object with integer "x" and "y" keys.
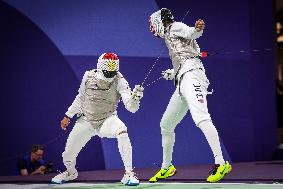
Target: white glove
{"x": 137, "y": 93}
{"x": 168, "y": 74}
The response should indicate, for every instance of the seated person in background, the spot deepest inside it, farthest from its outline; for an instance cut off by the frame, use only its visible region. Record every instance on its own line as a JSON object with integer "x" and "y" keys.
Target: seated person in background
{"x": 32, "y": 163}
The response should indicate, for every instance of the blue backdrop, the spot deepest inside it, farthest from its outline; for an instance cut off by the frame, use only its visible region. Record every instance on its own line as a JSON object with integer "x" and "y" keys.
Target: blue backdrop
{"x": 46, "y": 46}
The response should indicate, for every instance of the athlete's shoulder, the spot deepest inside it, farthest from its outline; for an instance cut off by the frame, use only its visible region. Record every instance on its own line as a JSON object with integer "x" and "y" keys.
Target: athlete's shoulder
{"x": 122, "y": 82}
{"x": 121, "y": 79}
{"x": 120, "y": 75}
{"x": 86, "y": 74}
{"x": 90, "y": 72}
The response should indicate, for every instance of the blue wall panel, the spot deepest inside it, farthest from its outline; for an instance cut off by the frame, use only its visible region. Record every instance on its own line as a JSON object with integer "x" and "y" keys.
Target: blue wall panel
{"x": 62, "y": 39}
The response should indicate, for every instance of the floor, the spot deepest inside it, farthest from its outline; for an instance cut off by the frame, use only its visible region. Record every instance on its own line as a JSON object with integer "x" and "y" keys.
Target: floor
{"x": 257, "y": 175}
{"x": 174, "y": 185}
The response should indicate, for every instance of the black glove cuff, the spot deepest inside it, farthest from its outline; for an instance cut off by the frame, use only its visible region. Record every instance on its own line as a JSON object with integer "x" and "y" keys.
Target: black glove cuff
{"x": 67, "y": 116}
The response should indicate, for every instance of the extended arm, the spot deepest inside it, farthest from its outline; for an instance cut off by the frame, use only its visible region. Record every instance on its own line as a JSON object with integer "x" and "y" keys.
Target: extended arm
{"x": 180, "y": 29}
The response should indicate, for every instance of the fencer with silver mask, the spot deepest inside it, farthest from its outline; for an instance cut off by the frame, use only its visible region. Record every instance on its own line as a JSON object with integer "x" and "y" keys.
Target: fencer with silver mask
{"x": 99, "y": 94}
{"x": 191, "y": 83}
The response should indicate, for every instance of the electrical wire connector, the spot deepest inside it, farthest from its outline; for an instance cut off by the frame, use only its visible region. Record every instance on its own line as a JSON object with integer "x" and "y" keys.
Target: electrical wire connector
{"x": 204, "y": 54}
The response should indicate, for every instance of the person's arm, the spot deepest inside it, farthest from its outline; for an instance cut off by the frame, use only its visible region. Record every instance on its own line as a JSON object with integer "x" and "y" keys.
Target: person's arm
{"x": 24, "y": 172}
{"x": 168, "y": 74}
{"x": 40, "y": 170}
{"x": 131, "y": 104}
{"x": 22, "y": 167}
{"x": 42, "y": 166}
{"x": 75, "y": 108}
{"x": 180, "y": 29}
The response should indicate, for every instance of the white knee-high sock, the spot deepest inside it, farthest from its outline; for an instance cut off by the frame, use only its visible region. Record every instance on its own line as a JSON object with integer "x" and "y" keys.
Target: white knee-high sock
{"x": 212, "y": 138}
{"x": 125, "y": 149}
{"x": 168, "y": 140}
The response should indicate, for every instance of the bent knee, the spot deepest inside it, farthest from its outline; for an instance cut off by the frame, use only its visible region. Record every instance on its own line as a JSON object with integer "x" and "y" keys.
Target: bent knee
{"x": 198, "y": 119}
{"x": 125, "y": 132}
{"x": 123, "y": 136}
{"x": 121, "y": 130}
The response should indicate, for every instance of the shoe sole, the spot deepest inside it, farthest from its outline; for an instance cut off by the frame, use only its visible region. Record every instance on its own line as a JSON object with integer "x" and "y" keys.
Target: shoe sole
{"x": 52, "y": 182}
{"x": 63, "y": 181}
{"x": 132, "y": 184}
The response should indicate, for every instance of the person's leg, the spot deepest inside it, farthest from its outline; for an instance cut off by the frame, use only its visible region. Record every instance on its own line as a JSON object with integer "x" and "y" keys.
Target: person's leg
{"x": 174, "y": 113}
{"x": 194, "y": 89}
{"x": 212, "y": 138}
{"x": 78, "y": 137}
{"x": 113, "y": 127}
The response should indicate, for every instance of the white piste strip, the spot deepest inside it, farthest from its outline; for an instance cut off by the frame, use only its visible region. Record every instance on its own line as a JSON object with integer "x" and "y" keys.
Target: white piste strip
{"x": 163, "y": 183}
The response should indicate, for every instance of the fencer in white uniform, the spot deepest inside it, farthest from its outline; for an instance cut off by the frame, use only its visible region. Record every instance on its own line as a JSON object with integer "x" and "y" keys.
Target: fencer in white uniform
{"x": 99, "y": 94}
{"x": 191, "y": 90}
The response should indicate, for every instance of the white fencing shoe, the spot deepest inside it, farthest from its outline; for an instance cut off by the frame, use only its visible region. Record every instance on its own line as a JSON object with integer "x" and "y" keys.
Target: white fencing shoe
{"x": 130, "y": 179}
{"x": 64, "y": 177}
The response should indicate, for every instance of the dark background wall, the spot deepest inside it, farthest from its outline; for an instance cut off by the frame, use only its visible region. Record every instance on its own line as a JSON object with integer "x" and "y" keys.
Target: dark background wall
{"x": 46, "y": 46}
